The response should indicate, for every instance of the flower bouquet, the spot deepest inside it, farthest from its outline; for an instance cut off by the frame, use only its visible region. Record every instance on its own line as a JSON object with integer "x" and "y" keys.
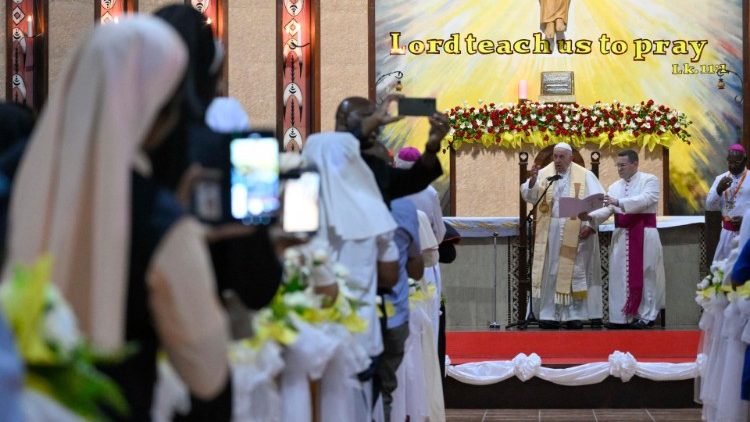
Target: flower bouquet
{"x": 296, "y": 299}
{"x": 513, "y": 125}
{"x": 59, "y": 363}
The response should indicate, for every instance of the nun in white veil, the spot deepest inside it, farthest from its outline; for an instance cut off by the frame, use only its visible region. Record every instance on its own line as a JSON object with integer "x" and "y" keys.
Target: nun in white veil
{"x": 72, "y": 199}
{"x": 358, "y": 229}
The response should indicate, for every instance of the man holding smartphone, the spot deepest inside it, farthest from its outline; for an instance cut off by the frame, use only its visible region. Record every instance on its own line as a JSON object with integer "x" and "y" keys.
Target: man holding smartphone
{"x": 363, "y": 119}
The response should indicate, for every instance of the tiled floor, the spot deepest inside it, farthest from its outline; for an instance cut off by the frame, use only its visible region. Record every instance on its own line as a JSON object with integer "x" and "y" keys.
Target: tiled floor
{"x": 573, "y": 415}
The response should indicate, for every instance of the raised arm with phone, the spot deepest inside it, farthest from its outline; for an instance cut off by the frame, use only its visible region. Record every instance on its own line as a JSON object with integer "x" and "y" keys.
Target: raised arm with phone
{"x": 360, "y": 117}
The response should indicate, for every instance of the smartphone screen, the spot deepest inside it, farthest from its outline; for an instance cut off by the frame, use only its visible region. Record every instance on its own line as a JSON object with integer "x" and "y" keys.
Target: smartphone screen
{"x": 301, "y": 206}
{"x": 254, "y": 179}
{"x": 416, "y": 106}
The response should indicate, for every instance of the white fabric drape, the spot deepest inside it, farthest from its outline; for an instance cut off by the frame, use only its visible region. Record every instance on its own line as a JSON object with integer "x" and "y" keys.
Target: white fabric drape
{"x": 524, "y": 367}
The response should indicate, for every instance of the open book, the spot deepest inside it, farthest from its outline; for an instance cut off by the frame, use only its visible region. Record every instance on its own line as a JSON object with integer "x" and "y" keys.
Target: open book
{"x": 571, "y": 207}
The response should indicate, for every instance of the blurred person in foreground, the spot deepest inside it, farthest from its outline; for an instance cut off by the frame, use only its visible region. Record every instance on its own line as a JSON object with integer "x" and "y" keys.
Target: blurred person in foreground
{"x": 16, "y": 124}
{"x": 132, "y": 265}
{"x": 193, "y": 162}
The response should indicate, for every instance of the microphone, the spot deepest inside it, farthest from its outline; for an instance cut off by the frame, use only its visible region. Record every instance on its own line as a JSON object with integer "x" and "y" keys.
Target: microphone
{"x": 553, "y": 178}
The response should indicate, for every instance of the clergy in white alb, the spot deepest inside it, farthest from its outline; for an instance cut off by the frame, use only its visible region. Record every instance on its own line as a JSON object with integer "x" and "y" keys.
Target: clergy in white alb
{"x": 566, "y": 267}
{"x": 731, "y": 196}
{"x": 636, "y": 267}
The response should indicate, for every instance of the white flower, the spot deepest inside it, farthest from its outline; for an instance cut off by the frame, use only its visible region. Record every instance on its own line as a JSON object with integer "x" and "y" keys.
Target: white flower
{"x": 646, "y": 126}
{"x": 577, "y": 117}
{"x": 524, "y": 122}
{"x": 543, "y": 119}
{"x": 558, "y": 118}
{"x": 320, "y": 256}
{"x": 601, "y": 123}
{"x": 296, "y": 299}
{"x": 704, "y": 283}
{"x": 60, "y": 326}
{"x": 566, "y": 126}
{"x": 637, "y": 108}
{"x": 292, "y": 255}
{"x": 662, "y": 128}
{"x": 611, "y": 121}
{"x": 533, "y": 116}
{"x": 480, "y": 101}
{"x": 341, "y": 271}
{"x": 676, "y": 125}
{"x": 638, "y": 119}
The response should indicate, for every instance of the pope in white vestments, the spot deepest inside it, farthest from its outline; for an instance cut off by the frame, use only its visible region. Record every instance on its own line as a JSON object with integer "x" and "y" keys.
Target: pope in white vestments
{"x": 566, "y": 268}
{"x": 731, "y": 196}
{"x": 636, "y": 267}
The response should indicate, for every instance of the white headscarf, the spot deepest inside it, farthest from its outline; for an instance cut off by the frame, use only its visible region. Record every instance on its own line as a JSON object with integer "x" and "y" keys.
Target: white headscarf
{"x": 350, "y": 201}
{"x": 226, "y": 115}
{"x": 72, "y": 194}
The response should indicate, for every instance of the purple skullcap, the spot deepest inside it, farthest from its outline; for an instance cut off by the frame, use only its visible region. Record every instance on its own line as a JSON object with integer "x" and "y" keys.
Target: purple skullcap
{"x": 738, "y": 148}
{"x": 409, "y": 154}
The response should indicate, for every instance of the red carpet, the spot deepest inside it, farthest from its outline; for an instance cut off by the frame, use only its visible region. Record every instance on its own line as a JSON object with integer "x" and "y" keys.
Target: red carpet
{"x": 572, "y": 348}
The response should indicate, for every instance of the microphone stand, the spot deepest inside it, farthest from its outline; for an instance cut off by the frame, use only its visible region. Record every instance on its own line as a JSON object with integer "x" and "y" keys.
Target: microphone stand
{"x": 530, "y": 317}
{"x": 494, "y": 325}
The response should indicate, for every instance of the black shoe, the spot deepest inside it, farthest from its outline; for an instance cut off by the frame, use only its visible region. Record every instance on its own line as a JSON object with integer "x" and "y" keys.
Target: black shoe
{"x": 641, "y": 324}
{"x": 616, "y": 326}
{"x": 546, "y": 324}
{"x": 575, "y": 324}
{"x": 596, "y": 323}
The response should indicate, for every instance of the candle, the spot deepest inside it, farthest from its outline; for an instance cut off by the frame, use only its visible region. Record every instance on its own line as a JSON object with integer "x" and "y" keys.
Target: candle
{"x": 523, "y": 89}
{"x": 29, "y": 27}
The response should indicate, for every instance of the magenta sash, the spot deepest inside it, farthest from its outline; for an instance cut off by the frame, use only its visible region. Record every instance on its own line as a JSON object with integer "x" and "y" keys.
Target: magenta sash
{"x": 635, "y": 225}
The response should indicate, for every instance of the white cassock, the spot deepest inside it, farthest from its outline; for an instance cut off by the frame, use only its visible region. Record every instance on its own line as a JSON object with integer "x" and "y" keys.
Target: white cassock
{"x": 639, "y": 195}
{"x": 587, "y": 268}
{"x": 732, "y": 203}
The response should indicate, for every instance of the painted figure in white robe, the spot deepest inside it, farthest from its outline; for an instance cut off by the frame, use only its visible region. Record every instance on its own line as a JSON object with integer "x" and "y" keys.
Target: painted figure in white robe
{"x": 566, "y": 268}
{"x": 636, "y": 266}
{"x": 731, "y": 196}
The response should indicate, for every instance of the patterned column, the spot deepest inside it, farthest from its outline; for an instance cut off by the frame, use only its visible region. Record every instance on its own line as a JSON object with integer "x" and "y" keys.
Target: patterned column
{"x": 110, "y": 11}
{"x": 27, "y": 61}
{"x": 296, "y": 79}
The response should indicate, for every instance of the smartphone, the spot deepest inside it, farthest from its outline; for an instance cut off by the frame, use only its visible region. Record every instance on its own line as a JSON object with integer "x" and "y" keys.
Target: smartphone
{"x": 301, "y": 209}
{"x": 254, "y": 179}
{"x": 416, "y": 106}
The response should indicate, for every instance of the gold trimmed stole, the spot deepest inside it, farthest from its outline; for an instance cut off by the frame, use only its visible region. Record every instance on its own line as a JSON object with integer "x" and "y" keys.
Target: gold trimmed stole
{"x": 569, "y": 245}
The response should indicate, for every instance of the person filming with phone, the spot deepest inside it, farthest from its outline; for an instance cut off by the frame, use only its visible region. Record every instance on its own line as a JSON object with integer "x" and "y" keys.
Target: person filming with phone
{"x": 363, "y": 119}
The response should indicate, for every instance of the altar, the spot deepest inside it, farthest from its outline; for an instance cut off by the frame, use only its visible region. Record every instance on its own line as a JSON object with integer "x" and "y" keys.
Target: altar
{"x": 468, "y": 281}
